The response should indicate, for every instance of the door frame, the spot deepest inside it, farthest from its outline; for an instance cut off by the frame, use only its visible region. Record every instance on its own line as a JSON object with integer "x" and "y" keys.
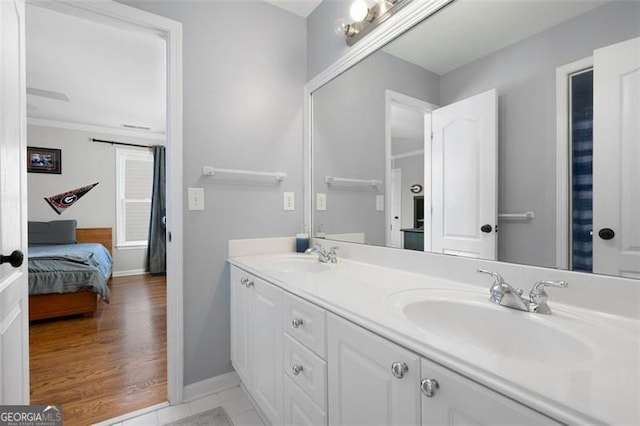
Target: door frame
{"x": 123, "y": 16}
{"x": 390, "y": 98}
{"x": 563, "y": 155}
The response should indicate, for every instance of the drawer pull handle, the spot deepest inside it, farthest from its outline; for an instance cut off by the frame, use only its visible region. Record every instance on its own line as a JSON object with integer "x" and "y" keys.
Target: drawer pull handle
{"x": 428, "y": 387}
{"x": 296, "y": 322}
{"x": 296, "y": 369}
{"x": 398, "y": 369}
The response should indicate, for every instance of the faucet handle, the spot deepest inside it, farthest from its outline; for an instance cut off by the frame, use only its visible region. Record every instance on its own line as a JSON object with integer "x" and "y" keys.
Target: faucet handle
{"x": 538, "y": 288}
{"x": 539, "y": 297}
{"x": 495, "y": 275}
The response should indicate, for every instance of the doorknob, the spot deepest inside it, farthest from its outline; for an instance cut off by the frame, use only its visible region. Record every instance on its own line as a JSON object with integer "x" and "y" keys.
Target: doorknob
{"x": 606, "y": 233}
{"x": 15, "y": 258}
{"x": 486, "y": 228}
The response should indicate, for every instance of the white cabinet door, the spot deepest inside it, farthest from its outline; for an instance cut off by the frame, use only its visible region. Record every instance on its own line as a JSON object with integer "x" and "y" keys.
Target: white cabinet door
{"x": 460, "y": 401}
{"x": 14, "y": 331}
{"x": 616, "y": 159}
{"x": 464, "y": 177}
{"x": 240, "y": 327}
{"x": 266, "y": 348}
{"x": 362, "y": 387}
{"x": 256, "y": 340}
{"x": 299, "y": 409}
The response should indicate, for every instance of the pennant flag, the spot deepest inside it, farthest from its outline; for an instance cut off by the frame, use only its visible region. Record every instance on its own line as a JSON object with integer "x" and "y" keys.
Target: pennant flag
{"x": 61, "y": 202}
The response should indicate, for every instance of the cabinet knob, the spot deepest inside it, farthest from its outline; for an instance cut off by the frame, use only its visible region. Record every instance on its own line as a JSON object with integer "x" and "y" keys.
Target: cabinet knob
{"x": 398, "y": 369}
{"x": 296, "y": 322}
{"x": 428, "y": 387}
{"x": 244, "y": 280}
{"x": 296, "y": 369}
{"x": 249, "y": 283}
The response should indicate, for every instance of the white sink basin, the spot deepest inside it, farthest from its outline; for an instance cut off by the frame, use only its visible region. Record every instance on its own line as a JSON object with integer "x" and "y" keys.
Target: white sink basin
{"x": 298, "y": 264}
{"x": 470, "y": 319}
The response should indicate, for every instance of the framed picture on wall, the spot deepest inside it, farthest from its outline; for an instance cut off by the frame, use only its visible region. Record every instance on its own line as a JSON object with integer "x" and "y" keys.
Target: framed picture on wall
{"x": 44, "y": 160}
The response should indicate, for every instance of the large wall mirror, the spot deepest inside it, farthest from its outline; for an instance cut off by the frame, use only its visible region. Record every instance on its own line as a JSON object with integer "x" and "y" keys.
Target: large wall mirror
{"x": 504, "y": 130}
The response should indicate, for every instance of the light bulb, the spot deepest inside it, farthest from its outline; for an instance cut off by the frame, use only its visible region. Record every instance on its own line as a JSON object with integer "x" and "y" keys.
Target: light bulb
{"x": 341, "y": 26}
{"x": 359, "y": 10}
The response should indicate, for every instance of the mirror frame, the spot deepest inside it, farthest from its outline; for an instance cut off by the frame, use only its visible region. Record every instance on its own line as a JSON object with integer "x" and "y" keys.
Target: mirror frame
{"x": 409, "y": 16}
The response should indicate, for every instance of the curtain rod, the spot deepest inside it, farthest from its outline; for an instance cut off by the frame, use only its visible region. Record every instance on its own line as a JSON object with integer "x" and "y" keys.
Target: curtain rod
{"x": 121, "y": 143}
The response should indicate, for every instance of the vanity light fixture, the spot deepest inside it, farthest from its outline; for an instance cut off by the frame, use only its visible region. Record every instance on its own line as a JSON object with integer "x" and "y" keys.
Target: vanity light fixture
{"x": 365, "y": 18}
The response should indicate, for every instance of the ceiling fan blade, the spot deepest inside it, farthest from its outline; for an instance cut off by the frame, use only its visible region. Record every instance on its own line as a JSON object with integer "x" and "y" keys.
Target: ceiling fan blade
{"x": 47, "y": 94}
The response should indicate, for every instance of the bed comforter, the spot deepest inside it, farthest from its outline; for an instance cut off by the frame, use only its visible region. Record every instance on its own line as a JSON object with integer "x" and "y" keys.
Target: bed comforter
{"x": 68, "y": 268}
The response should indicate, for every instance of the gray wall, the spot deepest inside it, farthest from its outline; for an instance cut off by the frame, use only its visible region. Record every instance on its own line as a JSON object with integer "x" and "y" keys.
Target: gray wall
{"x": 348, "y": 139}
{"x": 244, "y": 71}
{"x": 524, "y": 75}
{"x": 83, "y": 163}
{"x": 324, "y": 46}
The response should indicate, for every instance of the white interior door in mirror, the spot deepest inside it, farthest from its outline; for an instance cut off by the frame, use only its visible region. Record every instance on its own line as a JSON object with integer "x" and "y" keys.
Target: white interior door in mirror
{"x": 464, "y": 177}
{"x": 396, "y": 207}
{"x": 616, "y": 159}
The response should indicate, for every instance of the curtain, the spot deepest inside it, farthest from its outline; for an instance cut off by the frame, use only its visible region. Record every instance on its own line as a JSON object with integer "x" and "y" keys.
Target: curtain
{"x": 582, "y": 171}
{"x": 157, "y": 250}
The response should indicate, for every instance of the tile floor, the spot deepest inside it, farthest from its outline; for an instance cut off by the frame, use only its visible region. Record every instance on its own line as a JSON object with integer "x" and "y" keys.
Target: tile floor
{"x": 234, "y": 401}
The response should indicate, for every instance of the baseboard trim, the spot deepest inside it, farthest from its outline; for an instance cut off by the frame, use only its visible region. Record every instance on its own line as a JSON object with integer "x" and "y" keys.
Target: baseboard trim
{"x": 130, "y": 273}
{"x": 212, "y": 385}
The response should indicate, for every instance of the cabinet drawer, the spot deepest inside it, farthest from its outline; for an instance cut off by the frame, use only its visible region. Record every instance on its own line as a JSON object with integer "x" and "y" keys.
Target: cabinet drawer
{"x": 306, "y": 323}
{"x": 306, "y": 369}
{"x": 299, "y": 409}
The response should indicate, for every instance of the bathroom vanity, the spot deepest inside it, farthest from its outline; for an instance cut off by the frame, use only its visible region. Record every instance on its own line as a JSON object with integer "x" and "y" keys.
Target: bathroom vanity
{"x": 359, "y": 343}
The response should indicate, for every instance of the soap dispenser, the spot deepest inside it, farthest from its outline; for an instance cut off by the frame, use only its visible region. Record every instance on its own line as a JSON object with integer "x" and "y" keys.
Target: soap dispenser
{"x": 302, "y": 240}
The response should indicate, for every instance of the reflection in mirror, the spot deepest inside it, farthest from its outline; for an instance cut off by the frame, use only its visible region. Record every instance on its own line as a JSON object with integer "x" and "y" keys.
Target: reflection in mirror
{"x": 565, "y": 79}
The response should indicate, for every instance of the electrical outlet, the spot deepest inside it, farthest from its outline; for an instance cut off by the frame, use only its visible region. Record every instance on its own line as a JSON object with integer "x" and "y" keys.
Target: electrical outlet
{"x": 380, "y": 203}
{"x": 289, "y": 201}
{"x": 195, "y": 199}
{"x": 321, "y": 202}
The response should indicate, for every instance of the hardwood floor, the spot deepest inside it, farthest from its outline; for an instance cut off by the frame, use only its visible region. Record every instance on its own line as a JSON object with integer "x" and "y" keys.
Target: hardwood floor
{"x": 110, "y": 364}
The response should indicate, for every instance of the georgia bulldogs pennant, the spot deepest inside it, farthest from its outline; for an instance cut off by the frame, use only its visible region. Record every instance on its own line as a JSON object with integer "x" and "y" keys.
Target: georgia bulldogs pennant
{"x": 61, "y": 202}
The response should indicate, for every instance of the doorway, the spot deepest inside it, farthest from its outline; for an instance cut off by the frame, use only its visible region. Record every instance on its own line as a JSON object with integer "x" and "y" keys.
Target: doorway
{"x": 581, "y": 135}
{"x": 121, "y": 16}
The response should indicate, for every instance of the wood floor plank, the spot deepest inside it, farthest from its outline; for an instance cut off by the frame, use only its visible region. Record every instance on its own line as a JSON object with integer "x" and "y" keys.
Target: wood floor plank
{"x": 107, "y": 365}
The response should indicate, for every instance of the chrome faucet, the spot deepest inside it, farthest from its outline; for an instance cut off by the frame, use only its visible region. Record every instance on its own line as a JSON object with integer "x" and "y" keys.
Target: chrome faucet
{"x": 504, "y": 294}
{"x": 538, "y": 297}
{"x": 324, "y": 255}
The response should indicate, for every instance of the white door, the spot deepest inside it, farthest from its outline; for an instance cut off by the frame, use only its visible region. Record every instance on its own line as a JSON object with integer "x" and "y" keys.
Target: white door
{"x": 616, "y": 159}
{"x": 459, "y": 401}
{"x": 464, "y": 177}
{"x": 396, "y": 208}
{"x": 362, "y": 388}
{"x": 14, "y": 320}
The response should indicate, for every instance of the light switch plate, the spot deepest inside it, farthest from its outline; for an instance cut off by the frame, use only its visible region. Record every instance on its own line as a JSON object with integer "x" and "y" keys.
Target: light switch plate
{"x": 195, "y": 199}
{"x": 289, "y": 201}
{"x": 380, "y": 203}
{"x": 321, "y": 202}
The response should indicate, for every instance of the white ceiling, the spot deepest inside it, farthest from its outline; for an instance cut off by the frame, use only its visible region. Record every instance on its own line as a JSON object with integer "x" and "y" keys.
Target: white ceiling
{"x": 112, "y": 76}
{"x": 299, "y": 7}
{"x": 481, "y": 27}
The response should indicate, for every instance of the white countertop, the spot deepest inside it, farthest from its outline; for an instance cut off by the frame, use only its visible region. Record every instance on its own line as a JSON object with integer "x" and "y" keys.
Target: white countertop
{"x": 600, "y": 384}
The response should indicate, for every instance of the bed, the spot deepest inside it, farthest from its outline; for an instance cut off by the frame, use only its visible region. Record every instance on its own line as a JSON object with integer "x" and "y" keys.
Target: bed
{"x": 67, "y": 279}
